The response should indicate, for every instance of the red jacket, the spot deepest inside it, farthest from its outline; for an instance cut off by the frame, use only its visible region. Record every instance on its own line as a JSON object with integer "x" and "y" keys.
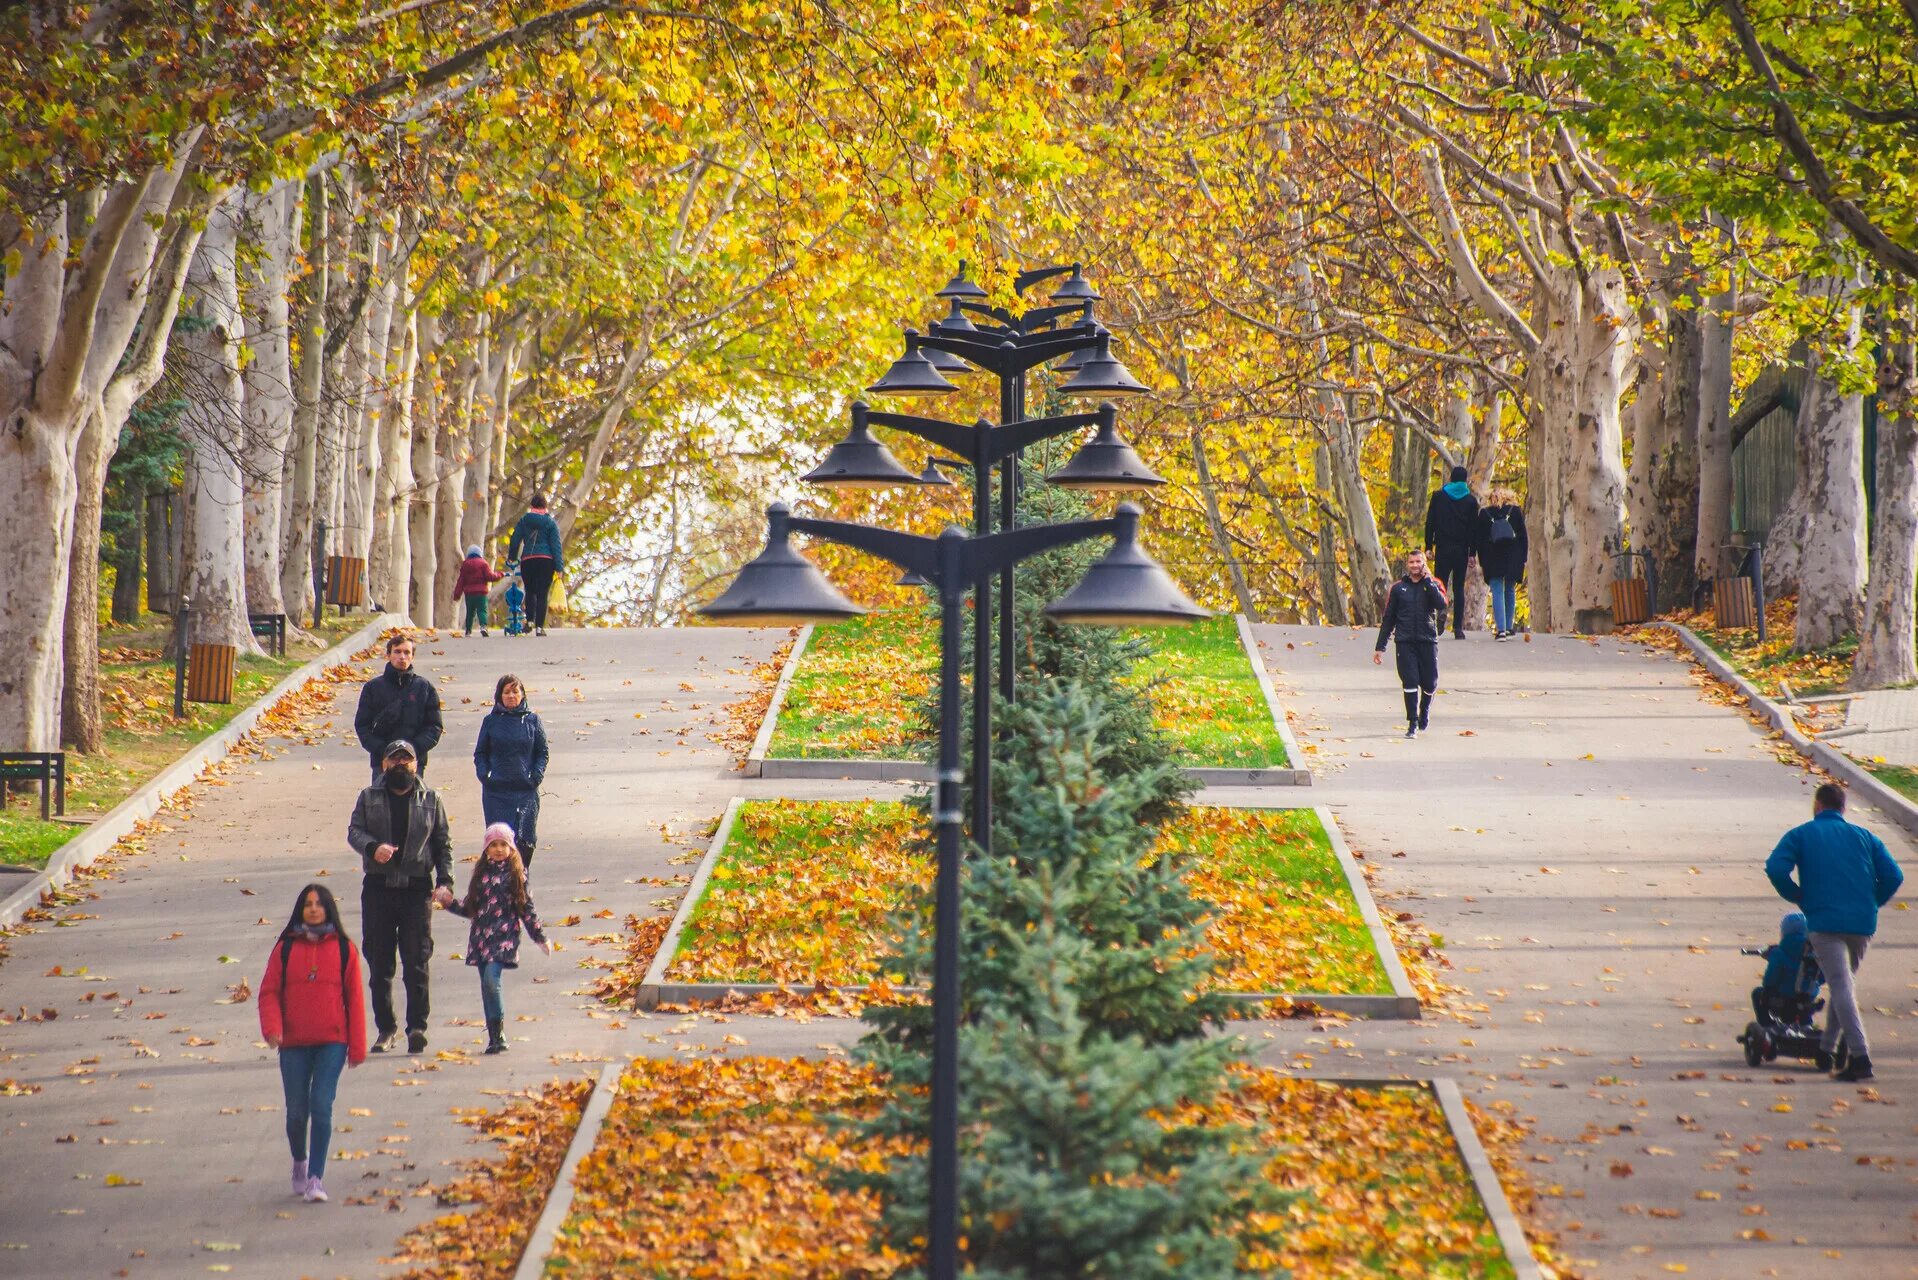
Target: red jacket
{"x": 475, "y": 575}
{"x": 311, "y": 1008}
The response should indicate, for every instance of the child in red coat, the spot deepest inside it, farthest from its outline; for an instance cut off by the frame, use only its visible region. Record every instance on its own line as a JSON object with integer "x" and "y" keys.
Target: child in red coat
{"x": 313, "y": 1010}
{"x": 475, "y": 577}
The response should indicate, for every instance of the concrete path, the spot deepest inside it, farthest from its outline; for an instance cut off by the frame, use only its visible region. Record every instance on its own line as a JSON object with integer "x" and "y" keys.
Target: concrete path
{"x": 155, "y": 1143}
{"x": 1586, "y": 834}
{"x": 1882, "y": 723}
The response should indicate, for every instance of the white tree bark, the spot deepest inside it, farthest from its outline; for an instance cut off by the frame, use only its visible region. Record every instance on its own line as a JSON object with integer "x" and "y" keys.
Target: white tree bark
{"x": 422, "y": 508}
{"x": 300, "y": 482}
{"x": 1661, "y": 493}
{"x": 365, "y": 380}
{"x": 272, "y": 220}
{"x": 1715, "y": 331}
{"x": 213, "y": 572}
{"x": 390, "y": 568}
{"x": 1885, "y": 653}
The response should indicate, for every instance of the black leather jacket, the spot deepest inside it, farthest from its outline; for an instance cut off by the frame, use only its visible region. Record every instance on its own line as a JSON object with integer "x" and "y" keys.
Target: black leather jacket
{"x": 1414, "y": 612}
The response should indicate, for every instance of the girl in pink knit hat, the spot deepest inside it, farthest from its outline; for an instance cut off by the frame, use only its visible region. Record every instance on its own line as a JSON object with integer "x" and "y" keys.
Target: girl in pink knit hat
{"x": 498, "y": 903}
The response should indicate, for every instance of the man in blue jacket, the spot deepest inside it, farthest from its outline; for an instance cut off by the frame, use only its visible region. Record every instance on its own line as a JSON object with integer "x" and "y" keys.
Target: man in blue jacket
{"x": 1844, "y": 874}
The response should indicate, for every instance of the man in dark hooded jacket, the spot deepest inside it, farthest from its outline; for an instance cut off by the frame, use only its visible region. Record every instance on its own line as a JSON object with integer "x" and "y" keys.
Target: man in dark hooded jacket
{"x": 398, "y": 703}
{"x": 1451, "y": 539}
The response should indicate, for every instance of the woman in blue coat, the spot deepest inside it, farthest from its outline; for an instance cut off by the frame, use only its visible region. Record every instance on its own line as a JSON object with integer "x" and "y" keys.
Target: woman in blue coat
{"x": 510, "y": 759}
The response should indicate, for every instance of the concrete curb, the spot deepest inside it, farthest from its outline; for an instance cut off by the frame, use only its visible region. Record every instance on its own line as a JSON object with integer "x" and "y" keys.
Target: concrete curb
{"x": 758, "y": 765}
{"x": 1403, "y": 1003}
{"x": 1491, "y": 1192}
{"x": 648, "y": 996}
{"x": 559, "y": 1200}
{"x": 1832, "y": 760}
{"x": 102, "y": 835}
{"x": 756, "y": 758}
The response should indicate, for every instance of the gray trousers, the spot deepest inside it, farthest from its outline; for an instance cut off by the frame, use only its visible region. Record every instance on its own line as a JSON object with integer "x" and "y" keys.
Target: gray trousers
{"x": 1839, "y": 955}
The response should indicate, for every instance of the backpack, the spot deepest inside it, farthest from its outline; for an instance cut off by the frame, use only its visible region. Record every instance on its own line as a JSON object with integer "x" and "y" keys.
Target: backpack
{"x": 1501, "y": 529}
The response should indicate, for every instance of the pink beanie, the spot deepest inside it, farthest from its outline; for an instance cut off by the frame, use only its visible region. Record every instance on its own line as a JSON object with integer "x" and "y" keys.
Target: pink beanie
{"x": 497, "y": 831}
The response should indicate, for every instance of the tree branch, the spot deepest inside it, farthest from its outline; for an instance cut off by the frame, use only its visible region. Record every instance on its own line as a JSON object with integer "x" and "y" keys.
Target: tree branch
{"x": 1464, "y": 264}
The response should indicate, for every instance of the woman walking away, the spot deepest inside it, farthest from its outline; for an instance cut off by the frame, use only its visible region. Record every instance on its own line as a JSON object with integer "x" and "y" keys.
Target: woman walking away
{"x": 535, "y": 544}
{"x": 475, "y": 577}
{"x": 510, "y": 759}
{"x": 1501, "y": 557}
{"x": 498, "y": 903}
{"x": 312, "y": 1011}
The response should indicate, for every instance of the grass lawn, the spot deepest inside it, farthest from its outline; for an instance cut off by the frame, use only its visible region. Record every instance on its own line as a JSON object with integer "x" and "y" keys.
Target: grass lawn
{"x": 804, "y": 892}
{"x": 142, "y": 737}
{"x": 726, "y": 1168}
{"x": 1820, "y": 671}
{"x": 1900, "y": 778}
{"x": 859, "y": 687}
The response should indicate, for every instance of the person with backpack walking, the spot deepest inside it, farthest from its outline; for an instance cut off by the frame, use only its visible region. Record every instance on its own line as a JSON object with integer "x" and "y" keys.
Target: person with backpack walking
{"x": 398, "y": 703}
{"x": 312, "y": 1012}
{"x": 510, "y": 758}
{"x": 1501, "y": 558}
{"x": 1451, "y": 540}
{"x": 1414, "y": 612}
{"x": 475, "y": 577}
{"x": 498, "y": 903}
{"x": 1844, "y": 874}
{"x": 399, "y": 830}
{"x": 535, "y": 545}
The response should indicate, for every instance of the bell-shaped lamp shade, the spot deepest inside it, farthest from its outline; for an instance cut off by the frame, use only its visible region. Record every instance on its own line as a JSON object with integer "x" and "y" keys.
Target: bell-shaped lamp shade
{"x": 960, "y": 287}
{"x": 1126, "y": 587}
{"x": 1106, "y": 462}
{"x": 910, "y": 578}
{"x": 1076, "y": 288}
{"x": 945, "y": 362}
{"x": 779, "y": 587}
{"x": 1077, "y": 360}
{"x": 859, "y": 461}
{"x": 933, "y": 476}
{"x": 954, "y": 321}
{"x": 912, "y": 374}
{"x": 1103, "y": 375}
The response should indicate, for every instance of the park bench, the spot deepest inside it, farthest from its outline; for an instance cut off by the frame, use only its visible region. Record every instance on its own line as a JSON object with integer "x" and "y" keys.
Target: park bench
{"x": 49, "y": 768}
{"x": 270, "y": 627}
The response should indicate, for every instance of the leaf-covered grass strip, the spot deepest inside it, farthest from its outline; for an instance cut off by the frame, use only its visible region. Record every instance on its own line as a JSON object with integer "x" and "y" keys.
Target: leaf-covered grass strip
{"x": 1207, "y": 697}
{"x": 804, "y": 891}
{"x": 723, "y": 1168}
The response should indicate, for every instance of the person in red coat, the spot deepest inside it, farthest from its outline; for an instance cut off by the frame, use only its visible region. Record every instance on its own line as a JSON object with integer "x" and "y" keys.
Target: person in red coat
{"x": 475, "y": 577}
{"x": 313, "y": 1010}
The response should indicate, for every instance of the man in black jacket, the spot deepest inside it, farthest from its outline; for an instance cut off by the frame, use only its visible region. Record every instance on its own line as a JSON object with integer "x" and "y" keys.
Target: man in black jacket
{"x": 1451, "y": 540}
{"x": 398, "y": 703}
{"x": 1414, "y": 612}
{"x": 399, "y": 830}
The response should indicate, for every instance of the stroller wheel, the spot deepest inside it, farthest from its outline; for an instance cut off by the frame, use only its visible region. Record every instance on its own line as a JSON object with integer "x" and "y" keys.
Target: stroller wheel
{"x": 1754, "y": 1042}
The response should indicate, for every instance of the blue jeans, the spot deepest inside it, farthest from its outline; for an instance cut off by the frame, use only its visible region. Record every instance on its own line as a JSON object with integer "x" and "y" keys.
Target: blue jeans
{"x": 311, "y": 1074}
{"x": 1504, "y": 602}
{"x": 489, "y": 990}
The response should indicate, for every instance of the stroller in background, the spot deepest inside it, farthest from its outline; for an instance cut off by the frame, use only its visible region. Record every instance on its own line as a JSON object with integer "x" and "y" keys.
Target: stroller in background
{"x": 1785, "y": 1023}
{"x": 515, "y": 602}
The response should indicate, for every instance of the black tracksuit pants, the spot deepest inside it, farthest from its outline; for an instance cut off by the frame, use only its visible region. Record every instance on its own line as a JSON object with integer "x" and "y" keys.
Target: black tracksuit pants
{"x": 1418, "y": 677}
{"x": 397, "y": 926}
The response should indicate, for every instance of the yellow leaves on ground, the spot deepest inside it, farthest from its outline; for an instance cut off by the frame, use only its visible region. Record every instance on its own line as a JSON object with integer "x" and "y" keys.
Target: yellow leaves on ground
{"x": 805, "y": 891}
{"x": 1205, "y": 695}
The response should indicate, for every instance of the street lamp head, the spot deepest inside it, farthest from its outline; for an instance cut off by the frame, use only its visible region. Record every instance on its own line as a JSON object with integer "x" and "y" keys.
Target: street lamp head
{"x": 1126, "y": 587}
{"x": 910, "y": 578}
{"x": 960, "y": 287}
{"x": 1103, "y": 375}
{"x": 932, "y": 475}
{"x": 912, "y": 374}
{"x": 1077, "y": 360}
{"x": 1076, "y": 288}
{"x": 955, "y": 321}
{"x": 779, "y": 587}
{"x": 859, "y": 461}
{"x": 1106, "y": 461}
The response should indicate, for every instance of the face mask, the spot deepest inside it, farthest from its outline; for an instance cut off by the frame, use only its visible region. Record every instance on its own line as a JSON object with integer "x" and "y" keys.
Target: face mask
{"x": 400, "y": 778}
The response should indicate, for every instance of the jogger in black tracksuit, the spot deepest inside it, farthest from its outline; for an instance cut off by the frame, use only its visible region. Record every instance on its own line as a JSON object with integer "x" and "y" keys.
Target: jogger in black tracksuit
{"x": 1414, "y": 614}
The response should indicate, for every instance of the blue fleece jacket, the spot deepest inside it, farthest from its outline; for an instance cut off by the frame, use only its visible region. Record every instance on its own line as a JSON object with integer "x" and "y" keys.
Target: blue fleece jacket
{"x": 1844, "y": 874}
{"x": 1786, "y": 956}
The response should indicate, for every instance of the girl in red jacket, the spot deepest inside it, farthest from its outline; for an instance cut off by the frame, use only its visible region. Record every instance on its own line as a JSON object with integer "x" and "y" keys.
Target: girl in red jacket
{"x": 475, "y": 577}
{"x": 313, "y": 1011}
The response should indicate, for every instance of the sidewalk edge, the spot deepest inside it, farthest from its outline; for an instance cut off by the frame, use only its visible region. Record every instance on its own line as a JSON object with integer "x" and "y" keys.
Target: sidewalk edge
{"x": 85, "y": 848}
{"x": 559, "y": 1200}
{"x": 647, "y": 997}
{"x": 1302, "y": 774}
{"x": 1491, "y": 1192}
{"x": 1402, "y": 988}
{"x": 763, "y": 740}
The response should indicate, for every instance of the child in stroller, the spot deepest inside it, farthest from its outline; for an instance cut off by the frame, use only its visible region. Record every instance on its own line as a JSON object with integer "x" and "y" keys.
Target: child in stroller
{"x": 515, "y": 601}
{"x": 1786, "y": 1001}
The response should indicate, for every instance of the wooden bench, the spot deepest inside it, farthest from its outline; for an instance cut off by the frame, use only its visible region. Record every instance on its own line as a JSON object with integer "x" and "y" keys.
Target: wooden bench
{"x": 49, "y": 768}
{"x": 270, "y": 627}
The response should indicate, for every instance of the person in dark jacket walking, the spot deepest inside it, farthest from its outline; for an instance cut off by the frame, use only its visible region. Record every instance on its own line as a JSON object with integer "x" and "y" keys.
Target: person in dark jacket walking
{"x": 1451, "y": 540}
{"x": 475, "y": 577}
{"x": 510, "y": 759}
{"x": 406, "y": 851}
{"x": 1844, "y": 874}
{"x": 398, "y": 703}
{"x": 1501, "y": 557}
{"x": 535, "y": 544}
{"x": 1414, "y": 612}
{"x": 499, "y": 904}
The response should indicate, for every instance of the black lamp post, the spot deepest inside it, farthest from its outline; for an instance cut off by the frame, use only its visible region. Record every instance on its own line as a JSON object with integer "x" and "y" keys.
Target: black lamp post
{"x": 1124, "y": 587}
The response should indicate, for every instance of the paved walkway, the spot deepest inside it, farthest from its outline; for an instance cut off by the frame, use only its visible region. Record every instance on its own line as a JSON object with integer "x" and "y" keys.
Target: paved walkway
{"x": 1886, "y": 724}
{"x": 1586, "y": 834}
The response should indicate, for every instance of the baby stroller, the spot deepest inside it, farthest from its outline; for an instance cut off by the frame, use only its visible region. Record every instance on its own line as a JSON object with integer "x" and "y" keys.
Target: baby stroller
{"x": 1785, "y": 1022}
{"x": 515, "y": 602}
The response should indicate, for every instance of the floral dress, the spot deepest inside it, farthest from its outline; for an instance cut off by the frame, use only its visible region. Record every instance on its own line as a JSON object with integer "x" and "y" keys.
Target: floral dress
{"x": 494, "y": 935}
